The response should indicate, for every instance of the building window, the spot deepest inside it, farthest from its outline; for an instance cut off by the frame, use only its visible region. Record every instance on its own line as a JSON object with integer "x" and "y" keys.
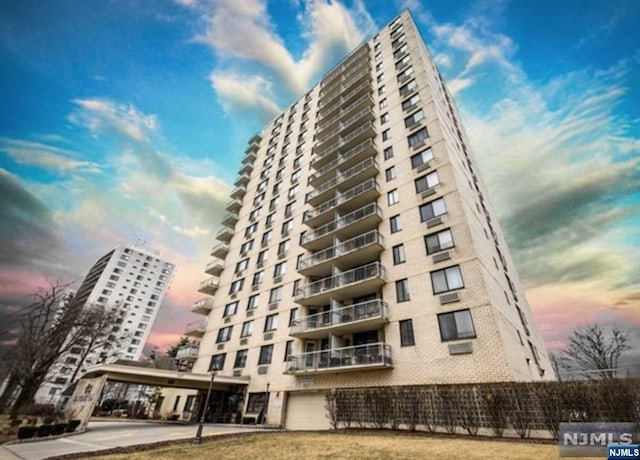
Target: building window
{"x": 217, "y": 362}
{"x": 405, "y": 74}
{"x": 230, "y": 309}
{"x": 384, "y": 118}
{"x": 236, "y": 286}
{"x": 266, "y": 237}
{"x": 269, "y": 221}
{"x": 288, "y": 350}
{"x": 446, "y": 279}
{"x": 421, "y": 158}
{"x": 406, "y": 333}
{"x": 287, "y": 227}
{"x": 250, "y": 230}
{"x": 288, "y": 209}
{"x": 424, "y": 183}
{"x": 439, "y": 241}
{"x": 383, "y": 103}
{"x": 293, "y": 314}
{"x": 279, "y": 269}
{"x": 402, "y": 290}
{"x": 247, "y": 329}
{"x": 253, "y": 215}
{"x": 252, "y": 303}
{"x": 388, "y": 153}
{"x": 271, "y": 323}
{"x": 246, "y": 247}
{"x": 275, "y": 295}
{"x": 266, "y": 352}
{"x": 224, "y": 334}
{"x": 410, "y": 103}
{"x": 432, "y": 209}
{"x": 382, "y": 90}
{"x": 456, "y": 325}
{"x": 418, "y": 138}
{"x": 262, "y": 257}
{"x": 242, "y": 265}
{"x": 390, "y": 173}
{"x": 256, "y": 402}
{"x": 408, "y": 88}
{"x": 296, "y": 287}
{"x": 392, "y": 197}
{"x": 283, "y": 247}
{"x": 414, "y": 119}
{"x": 395, "y": 223}
{"x": 398, "y": 254}
{"x": 241, "y": 359}
{"x": 258, "y": 277}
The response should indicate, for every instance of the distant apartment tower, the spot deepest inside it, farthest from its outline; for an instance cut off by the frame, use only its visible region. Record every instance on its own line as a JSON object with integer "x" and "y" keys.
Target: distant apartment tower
{"x": 130, "y": 280}
{"x": 360, "y": 248}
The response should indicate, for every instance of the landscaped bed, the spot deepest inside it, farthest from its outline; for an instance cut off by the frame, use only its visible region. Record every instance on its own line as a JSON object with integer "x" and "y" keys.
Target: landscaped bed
{"x": 350, "y": 444}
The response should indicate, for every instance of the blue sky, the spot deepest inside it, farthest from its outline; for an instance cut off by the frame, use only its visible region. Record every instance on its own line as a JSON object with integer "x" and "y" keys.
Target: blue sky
{"x": 127, "y": 119}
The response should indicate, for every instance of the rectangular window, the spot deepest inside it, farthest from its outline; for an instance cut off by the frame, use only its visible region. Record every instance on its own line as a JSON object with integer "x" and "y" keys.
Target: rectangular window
{"x": 288, "y": 209}
{"x": 287, "y": 227}
{"x": 271, "y": 323}
{"x": 390, "y": 173}
{"x": 418, "y": 138}
{"x": 426, "y": 182}
{"x": 262, "y": 257}
{"x": 242, "y": 265}
{"x": 246, "y": 247}
{"x": 247, "y": 329}
{"x": 269, "y": 221}
{"x": 296, "y": 288}
{"x": 384, "y": 118}
{"x": 283, "y": 247}
{"x": 224, "y": 334}
{"x": 432, "y": 209}
{"x": 388, "y": 153}
{"x": 421, "y": 158}
{"x": 241, "y": 359}
{"x": 438, "y": 241}
{"x": 266, "y": 237}
{"x": 446, "y": 279}
{"x": 395, "y": 223}
{"x": 408, "y": 88}
{"x": 258, "y": 277}
{"x": 414, "y": 119}
{"x": 217, "y": 362}
{"x": 456, "y": 325}
{"x": 406, "y": 333}
{"x": 293, "y": 314}
{"x": 279, "y": 269}
{"x": 230, "y": 309}
{"x": 405, "y": 74}
{"x": 402, "y": 290}
{"x": 288, "y": 350}
{"x": 275, "y": 295}
{"x": 250, "y": 230}
{"x": 410, "y": 103}
{"x": 236, "y": 286}
{"x": 266, "y": 352}
{"x": 392, "y": 197}
{"x": 386, "y": 134}
{"x": 383, "y": 103}
{"x": 398, "y": 254}
{"x": 252, "y": 303}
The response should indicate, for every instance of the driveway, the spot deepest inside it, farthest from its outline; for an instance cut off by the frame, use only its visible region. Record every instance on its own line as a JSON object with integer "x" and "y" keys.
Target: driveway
{"x": 105, "y": 435}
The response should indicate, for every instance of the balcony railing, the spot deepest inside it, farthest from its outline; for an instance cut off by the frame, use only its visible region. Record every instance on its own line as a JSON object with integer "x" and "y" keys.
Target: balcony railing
{"x": 243, "y": 179}
{"x": 189, "y": 353}
{"x": 230, "y": 219}
{"x": 220, "y": 250}
{"x": 366, "y": 146}
{"x": 195, "y": 329}
{"x": 239, "y": 192}
{"x": 343, "y": 178}
{"x": 363, "y": 312}
{"x": 202, "y": 306}
{"x": 327, "y": 97}
{"x": 224, "y": 234}
{"x": 359, "y": 71}
{"x": 214, "y": 267}
{"x": 355, "y": 56}
{"x": 325, "y": 287}
{"x": 371, "y": 356}
{"x": 328, "y": 135}
{"x": 354, "y": 244}
{"x": 342, "y": 98}
{"x": 330, "y": 117}
{"x": 209, "y": 286}
{"x": 234, "y": 206}
{"x": 357, "y": 134}
{"x": 358, "y": 215}
{"x": 342, "y": 198}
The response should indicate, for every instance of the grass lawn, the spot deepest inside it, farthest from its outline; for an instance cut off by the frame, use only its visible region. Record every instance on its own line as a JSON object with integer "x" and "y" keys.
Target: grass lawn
{"x": 343, "y": 445}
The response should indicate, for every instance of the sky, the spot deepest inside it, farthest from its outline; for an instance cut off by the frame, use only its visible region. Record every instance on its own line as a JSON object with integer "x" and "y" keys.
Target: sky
{"x": 127, "y": 119}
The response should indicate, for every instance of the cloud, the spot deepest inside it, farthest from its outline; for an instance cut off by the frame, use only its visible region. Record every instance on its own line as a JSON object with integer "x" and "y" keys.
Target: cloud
{"x": 99, "y": 115}
{"x": 252, "y": 53}
{"x": 45, "y": 156}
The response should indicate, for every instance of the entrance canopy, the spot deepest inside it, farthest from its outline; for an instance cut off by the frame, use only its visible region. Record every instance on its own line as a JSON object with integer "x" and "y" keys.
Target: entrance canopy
{"x": 140, "y": 375}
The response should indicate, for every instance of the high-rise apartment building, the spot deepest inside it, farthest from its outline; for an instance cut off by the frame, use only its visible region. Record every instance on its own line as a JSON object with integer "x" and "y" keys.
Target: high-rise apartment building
{"x": 129, "y": 280}
{"x": 360, "y": 248}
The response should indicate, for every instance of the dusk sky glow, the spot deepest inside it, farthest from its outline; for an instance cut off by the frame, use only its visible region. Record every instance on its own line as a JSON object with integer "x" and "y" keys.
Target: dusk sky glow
{"x": 126, "y": 120}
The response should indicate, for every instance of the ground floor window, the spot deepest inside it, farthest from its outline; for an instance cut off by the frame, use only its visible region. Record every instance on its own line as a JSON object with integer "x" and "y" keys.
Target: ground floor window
{"x": 256, "y": 402}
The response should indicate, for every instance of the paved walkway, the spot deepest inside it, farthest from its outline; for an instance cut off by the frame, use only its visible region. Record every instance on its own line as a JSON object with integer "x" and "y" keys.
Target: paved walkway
{"x": 105, "y": 435}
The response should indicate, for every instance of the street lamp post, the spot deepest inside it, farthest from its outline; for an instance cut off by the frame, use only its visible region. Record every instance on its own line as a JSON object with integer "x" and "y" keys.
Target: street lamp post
{"x": 198, "y": 438}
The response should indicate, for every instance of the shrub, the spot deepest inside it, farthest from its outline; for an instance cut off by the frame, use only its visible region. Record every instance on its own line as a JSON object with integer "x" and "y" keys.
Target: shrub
{"x": 26, "y": 432}
{"x": 44, "y": 430}
{"x": 72, "y": 425}
{"x": 59, "y": 428}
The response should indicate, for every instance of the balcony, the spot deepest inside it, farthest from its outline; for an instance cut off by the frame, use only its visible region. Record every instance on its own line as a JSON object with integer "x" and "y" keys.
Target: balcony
{"x": 358, "y": 54}
{"x": 358, "y": 358}
{"x": 346, "y": 98}
{"x": 347, "y": 87}
{"x": 347, "y": 159}
{"x": 331, "y": 119}
{"x": 250, "y": 156}
{"x": 246, "y": 168}
{"x": 234, "y": 206}
{"x": 347, "y": 79}
{"x": 352, "y": 283}
{"x": 363, "y": 316}
{"x": 230, "y": 219}
{"x": 356, "y": 251}
{"x": 220, "y": 250}
{"x": 364, "y": 170}
{"x": 243, "y": 179}
{"x": 358, "y": 196}
{"x": 328, "y": 136}
{"x": 203, "y": 306}
{"x": 224, "y": 234}
{"x": 346, "y": 142}
{"x": 359, "y": 221}
{"x": 195, "y": 329}
{"x": 209, "y": 286}
{"x": 239, "y": 192}
{"x": 214, "y": 267}
{"x": 189, "y": 353}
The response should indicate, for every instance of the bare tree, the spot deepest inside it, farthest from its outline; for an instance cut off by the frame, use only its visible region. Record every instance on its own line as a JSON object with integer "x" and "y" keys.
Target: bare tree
{"x": 47, "y": 332}
{"x": 594, "y": 353}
